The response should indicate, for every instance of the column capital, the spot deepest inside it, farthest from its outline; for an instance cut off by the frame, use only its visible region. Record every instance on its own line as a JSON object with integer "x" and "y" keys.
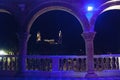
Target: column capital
{"x": 88, "y": 36}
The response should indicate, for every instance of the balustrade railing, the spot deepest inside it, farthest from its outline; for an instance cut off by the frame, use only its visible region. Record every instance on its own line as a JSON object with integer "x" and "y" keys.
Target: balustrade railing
{"x": 39, "y": 64}
{"x": 8, "y": 63}
{"x": 106, "y": 62}
{"x": 60, "y": 63}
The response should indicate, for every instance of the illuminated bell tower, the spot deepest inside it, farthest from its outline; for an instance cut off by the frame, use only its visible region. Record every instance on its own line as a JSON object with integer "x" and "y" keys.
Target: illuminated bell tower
{"x": 38, "y": 37}
{"x": 60, "y": 37}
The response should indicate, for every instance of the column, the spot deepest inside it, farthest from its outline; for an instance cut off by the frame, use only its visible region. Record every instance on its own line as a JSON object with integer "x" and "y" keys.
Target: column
{"x": 23, "y": 38}
{"x": 89, "y": 37}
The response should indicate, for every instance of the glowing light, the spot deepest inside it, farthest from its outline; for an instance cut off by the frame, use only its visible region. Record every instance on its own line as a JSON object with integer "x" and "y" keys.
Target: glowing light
{"x": 2, "y": 53}
{"x": 89, "y": 15}
{"x": 89, "y": 8}
{"x": 38, "y": 36}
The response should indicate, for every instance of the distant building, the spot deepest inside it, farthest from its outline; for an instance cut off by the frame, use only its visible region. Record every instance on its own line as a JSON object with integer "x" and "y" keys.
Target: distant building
{"x": 38, "y": 36}
{"x": 60, "y": 37}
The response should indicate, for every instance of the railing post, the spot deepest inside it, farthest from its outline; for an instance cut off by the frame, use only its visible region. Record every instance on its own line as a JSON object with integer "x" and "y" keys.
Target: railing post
{"x": 23, "y": 38}
{"x": 55, "y": 63}
{"x": 88, "y": 37}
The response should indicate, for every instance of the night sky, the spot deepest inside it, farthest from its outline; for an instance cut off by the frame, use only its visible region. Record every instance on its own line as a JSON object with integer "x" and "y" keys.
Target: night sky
{"x": 49, "y": 25}
{"x": 108, "y": 32}
{"x": 107, "y": 37}
{"x": 8, "y": 29}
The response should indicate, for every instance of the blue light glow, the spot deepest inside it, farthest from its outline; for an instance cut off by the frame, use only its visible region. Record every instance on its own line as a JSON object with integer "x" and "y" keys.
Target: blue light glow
{"x": 89, "y": 15}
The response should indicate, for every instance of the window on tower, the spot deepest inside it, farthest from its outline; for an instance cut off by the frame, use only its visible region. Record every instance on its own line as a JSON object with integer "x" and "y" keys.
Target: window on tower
{"x": 38, "y": 36}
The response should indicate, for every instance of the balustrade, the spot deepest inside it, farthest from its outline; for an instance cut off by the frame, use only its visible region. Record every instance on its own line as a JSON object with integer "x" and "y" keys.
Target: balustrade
{"x": 40, "y": 64}
{"x": 8, "y": 63}
{"x": 60, "y": 63}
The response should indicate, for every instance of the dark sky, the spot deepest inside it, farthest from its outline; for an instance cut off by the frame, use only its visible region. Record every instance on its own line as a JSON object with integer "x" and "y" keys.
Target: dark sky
{"x": 108, "y": 32}
{"x": 8, "y": 28}
{"x": 50, "y": 23}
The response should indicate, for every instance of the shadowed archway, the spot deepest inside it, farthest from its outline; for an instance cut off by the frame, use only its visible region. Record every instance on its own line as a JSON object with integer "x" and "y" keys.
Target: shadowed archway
{"x": 107, "y": 27}
{"x": 8, "y": 33}
{"x": 49, "y": 24}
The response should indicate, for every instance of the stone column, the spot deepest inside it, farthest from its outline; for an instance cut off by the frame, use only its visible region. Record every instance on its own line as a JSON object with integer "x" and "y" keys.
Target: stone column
{"x": 89, "y": 37}
{"x": 23, "y": 38}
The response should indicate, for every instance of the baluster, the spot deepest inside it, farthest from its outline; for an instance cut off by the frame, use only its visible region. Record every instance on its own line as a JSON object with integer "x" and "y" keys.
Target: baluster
{"x": 61, "y": 64}
{"x": 12, "y": 63}
{"x": 33, "y": 63}
{"x": 95, "y": 64}
{"x": 106, "y": 63}
{"x": 27, "y": 63}
{"x": 35, "y": 66}
{"x": 10, "y": 60}
{"x": 5, "y": 61}
{"x": 46, "y": 64}
{"x": 100, "y": 64}
{"x": 111, "y": 66}
{"x": 113, "y": 63}
{"x": 1, "y": 64}
{"x": 15, "y": 64}
{"x": 116, "y": 62}
{"x": 30, "y": 63}
{"x": 75, "y": 67}
{"x": 103, "y": 63}
{"x": 80, "y": 64}
{"x": 83, "y": 64}
{"x": 69, "y": 64}
{"x": 41, "y": 65}
{"x": 64, "y": 64}
{"x": 38, "y": 63}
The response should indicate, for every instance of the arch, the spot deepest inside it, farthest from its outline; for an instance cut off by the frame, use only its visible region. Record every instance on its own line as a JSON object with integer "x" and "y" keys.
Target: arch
{"x": 71, "y": 39}
{"x": 109, "y": 5}
{"x": 57, "y": 6}
{"x": 111, "y": 8}
{"x": 5, "y": 11}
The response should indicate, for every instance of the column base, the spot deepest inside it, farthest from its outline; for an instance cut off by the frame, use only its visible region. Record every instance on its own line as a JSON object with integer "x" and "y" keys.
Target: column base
{"x": 91, "y": 75}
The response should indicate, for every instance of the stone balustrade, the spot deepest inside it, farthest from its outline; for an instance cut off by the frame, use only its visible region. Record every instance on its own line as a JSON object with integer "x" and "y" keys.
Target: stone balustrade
{"x": 60, "y": 64}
